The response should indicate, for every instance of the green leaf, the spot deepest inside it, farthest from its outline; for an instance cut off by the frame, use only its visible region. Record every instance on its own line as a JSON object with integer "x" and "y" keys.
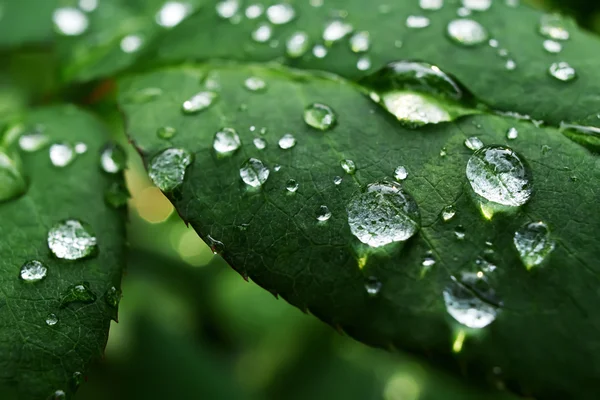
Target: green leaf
{"x": 45, "y": 344}
{"x": 273, "y": 236}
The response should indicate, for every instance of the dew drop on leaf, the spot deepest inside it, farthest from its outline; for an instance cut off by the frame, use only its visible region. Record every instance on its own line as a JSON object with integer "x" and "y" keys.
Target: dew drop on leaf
{"x": 61, "y": 154}
{"x": 512, "y": 133}
{"x": 323, "y": 213}
{"x": 291, "y": 185}
{"x": 382, "y": 214}
{"x": 88, "y": 5}
{"x": 262, "y": 33}
{"x": 287, "y": 141}
{"x": 280, "y": 14}
{"x": 112, "y": 296}
{"x": 562, "y": 71}
{"x": 76, "y": 380}
{"x": 255, "y": 84}
{"x": 533, "y": 243}
{"x": 448, "y": 212}
{"x": 465, "y": 301}
{"x": 460, "y": 232}
{"x": 113, "y": 159}
{"x": 116, "y": 195}
{"x": 254, "y": 173}
{"x": 473, "y": 143}
{"x": 144, "y": 95}
{"x": 70, "y": 21}
{"x": 373, "y": 286}
{"x": 431, "y": 4}
{"x": 51, "y": 319}
{"x": 463, "y": 12}
{"x": 167, "y": 169}
{"x": 80, "y": 148}
{"x": 477, "y": 5}
{"x": 360, "y": 42}
{"x": 254, "y": 11}
{"x": 554, "y": 26}
{"x": 199, "y": 102}
{"x": 319, "y": 51}
{"x": 33, "y": 271}
{"x": 12, "y": 180}
{"x": 227, "y": 9}
{"x": 428, "y": 260}
{"x": 400, "y": 173}
{"x": 467, "y": 32}
{"x": 72, "y": 239}
{"x": 588, "y": 136}
{"x": 336, "y": 30}
{"x": 417, "y": 22}
{"x": 79, "y": 293}
{"x": 226, "y": 141}
{"x": 34, "y": 141}
{"x": 348, "y": 166}
{"x": 498, "y": 174}
{"x": 363, "y": 63}
{"x": 260, "y": 143}
{"x": 166, "y": 132}
{"x": 131, "y": 43}
{"x": 510, "y": 65}
{"x": 320, "y": 116}
{"x": 337, "y": 180}
{"x": 552, "y": 46}
{"x": 216, "y": 246}
{"x": 297, "y": 44}
{"x": 59, "y": 395}
{"x": 172, "y": 13}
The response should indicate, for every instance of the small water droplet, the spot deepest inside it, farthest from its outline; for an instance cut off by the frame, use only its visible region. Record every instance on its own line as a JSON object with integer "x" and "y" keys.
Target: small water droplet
{"x": 254, "y": 11}
{"x": 70, "y": 21}
{"x": 254, "y": 173}
{"x": 323, "y": 213}
{"x": 443, "y": 152}
{"x": 287, "y": 141}
{"x": 291, "y": 185}
{"x": 116, "y": 195}
{"x": 493, "y": 43}
{"x": 466, "y": 32}
{"x": 400, "y": 173}
{"x": 431, "y": 4}
{"x": 280, "y": 14}
{"x": 167, "y": 169}
{"x": 297, "y": 44}
{"x": 512, "y": 133}
{"x": 226, "y": 141}
{"x": 498, "y": 174}
{"x": 81, "y": 148}
{"x": 76, "y": 380}
{"x": 460, "y": 232}
{"x": 510, "y": 65}
{"x": 552, "y": 46}
{"x": 553, "y": 26}
{"x": 227, "y": 9}
{"x": 166, "y": 132}
{"x": 373, "y": 286}
{"x": 34, "y": 141}
{"x": 131, "y": 43}
{"x": 12, "y": 179}
{"x": 477, "y": 5}
{"x": 417, "y": 21}
{"x": 319, "y": 51}
{"x": 172, "y": 13}
{"x": 428, "y": 260}
{"x": 463, "y": 12}
{"x": 199, "y": 102}
{"x": 533, "y": 243}
{"x": 262, "y": 33}
{"x": 51, "y": 319}
{"x": 382, "y": 214}
{"x": 470, "y": 301}
{"x": 113, "y": 159}
{"x": 72, "y": 239}
{"x": 216, "y": 246}
{"x": 473, "y": 143}
{"x": 260, "y": 143}
{"x": 88, "y": 5}
{"x": 80, "y": 293}
{"x": 112, "y": 297}
{"x": 33, "y": 271}
{"x": 448, "y": 212}
{"x": 255, "y": 84}
{"x": 336, "y": 30}
{"x": 348, "y": 166}
{"x": 360, "y": 42}
{"x": 337, "y": 180}
{"x": 320, "y": 116}
{"x": 61, "y": 154}
{"x": 363, "y": 63}
{"x": 562, "y": 71}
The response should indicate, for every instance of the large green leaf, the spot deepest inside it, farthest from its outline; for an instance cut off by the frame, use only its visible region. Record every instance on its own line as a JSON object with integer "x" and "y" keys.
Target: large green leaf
{"x": 273, "y": 236}
{"x": 38, "y": 358}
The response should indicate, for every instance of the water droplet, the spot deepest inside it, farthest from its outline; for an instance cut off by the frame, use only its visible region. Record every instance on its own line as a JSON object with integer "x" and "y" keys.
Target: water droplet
{"x": 81, "y": 148}
{"x": 88, "y": 5}
{"x": 216, "y": 246}
{"x": 320, "y": 116}
{"x": 199, "y": 102}
{"x": 323, "y": 213}
{"x": 166, "y": 132}
{"x": 466, "y": 32}
{"x": 31, "y": 142}
{"x": 510, "y": 65}
{"x": 116, "y": 195}
{"x": 287, "y": 141}
{"x": 167, "y": 169}
{"x": 80, "y": 293}
{"x": 512, "y": 133}
{"x": 588, "y": 136}
{"x": 546, "y": 149}
{"x": 562, "y": 71}
{"x": 336, "y": 30}
{"x": 499, "y": 175}
{"x": 400, "y": 173}
{"x": 319, "y": 51}
{"x": 493, "y": 43}
{"x": 12, "y": 180}
{"x": 131, "y": 43}
{"x": 359, "y": 42}
{"x": 61, "y": 154}
{"x": 348, "y": 166}
{"x": 473, "y": 143}
{"x": 51, "y": 319}
{"x": 382, "y": 214}
{"x": 463, "y": 12}
{"x": 553, "y": 26}
{"x": 72, "y": 240}
{"x": 227, "y": 9}
{"x": 255, "y": 84}
{"x": 398, "y": 43}
{"x": 316, "y": 3}
{"x": 76, "y": 380}
{"x": 552, "y": 46}
{"x": 254, "y": 11}
{"x": 337, "y": 180}
{"x": 280, "y": 14}
{"x": 144, "y": 95}
{"x": 59, "y": 395}
{"x": 277, "y": 168}
{"x": 428, "y": 260}
{"x": 468, "y": 301}
{"x": 33, "y": 271}
{"x": 533, "y": 243}
{"x": 262, "y": 33}
{"x": 260, "y": 143}
{"x": 415, "y": 108}
{"x": 448, "y": 212}
{"x": 297, "y": 45}
{"x": 254, "y": 173}
{"x": 443, "y": 152}
{"x": 373, "y": 286}
{"x": 417, "y": 21}
{"x": 477, "y": 5}
{"x": 172, "y": 13}
{"x": 113, "y": 159}
{"x": 226, "y": 141}
{"x": 431, "y": 4}
{"x": 70, "y": 21}
{"x": 363, "y": 63}
{"x": 112, "y": 297}
{"x": 291, "y": 185}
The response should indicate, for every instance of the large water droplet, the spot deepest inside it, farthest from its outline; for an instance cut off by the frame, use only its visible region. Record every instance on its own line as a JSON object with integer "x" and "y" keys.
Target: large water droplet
{"x": 415, "y": 108}
{"x": 336, "y": 30}
{"x": 470, "y": 301}
{"x": 417, "y": 21}
{"x": 467, "y": 32}
{"x": 554, "y": 27}
{"x": 167, "y": 169}
{"x": 33, "y": 271}
{"x": 400, "y": 173}
{"x": 319, "y": 116}
{"x": 227, "y": 9}
{"x": 112, "y": 296}
{"x": 359, "y": 42}
{"x": 280, "y": 14}
{"x": 226, "y": 141}
{"x": 499, "y": 175}
{"x": 477, "y": 5}
{"x": 255, "y": 84}
{"x": 254, "y": 11}
{"x": 61, "y": 154}
{"x": 473, "y": 143}
{"x": 12, "y": 179}
{"x": 297, "y": 45}
{"x": 113, "y": 159}
{"x": 291, "y": 185}
{"x": 382, "y": 214}
{"x": 172, "y": 13}
{"x": 260, "y": 143}
{"x": 588, "y": 136}
{"x": 287, "y": 141}
{"x": 373, "y": 286}
{"x": 448, "y": 213}
{"x": 34, "y": 141}
{"x": 348, "y": 166}
{"x": 262, "y": 33}
{"x": 562, "y": 71}
{"x": 254, "y": 173}
{"x": 533, "y": 242}
{"x": 72, "y": 240}
{"x": 323, "y": 213}
{"x": 80, "y": 293}
{"x": 199, "y": 102}
{"x": 431, "y": 4}
{"x": 51, "y": 319}
{"x": 70, "y": 21}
